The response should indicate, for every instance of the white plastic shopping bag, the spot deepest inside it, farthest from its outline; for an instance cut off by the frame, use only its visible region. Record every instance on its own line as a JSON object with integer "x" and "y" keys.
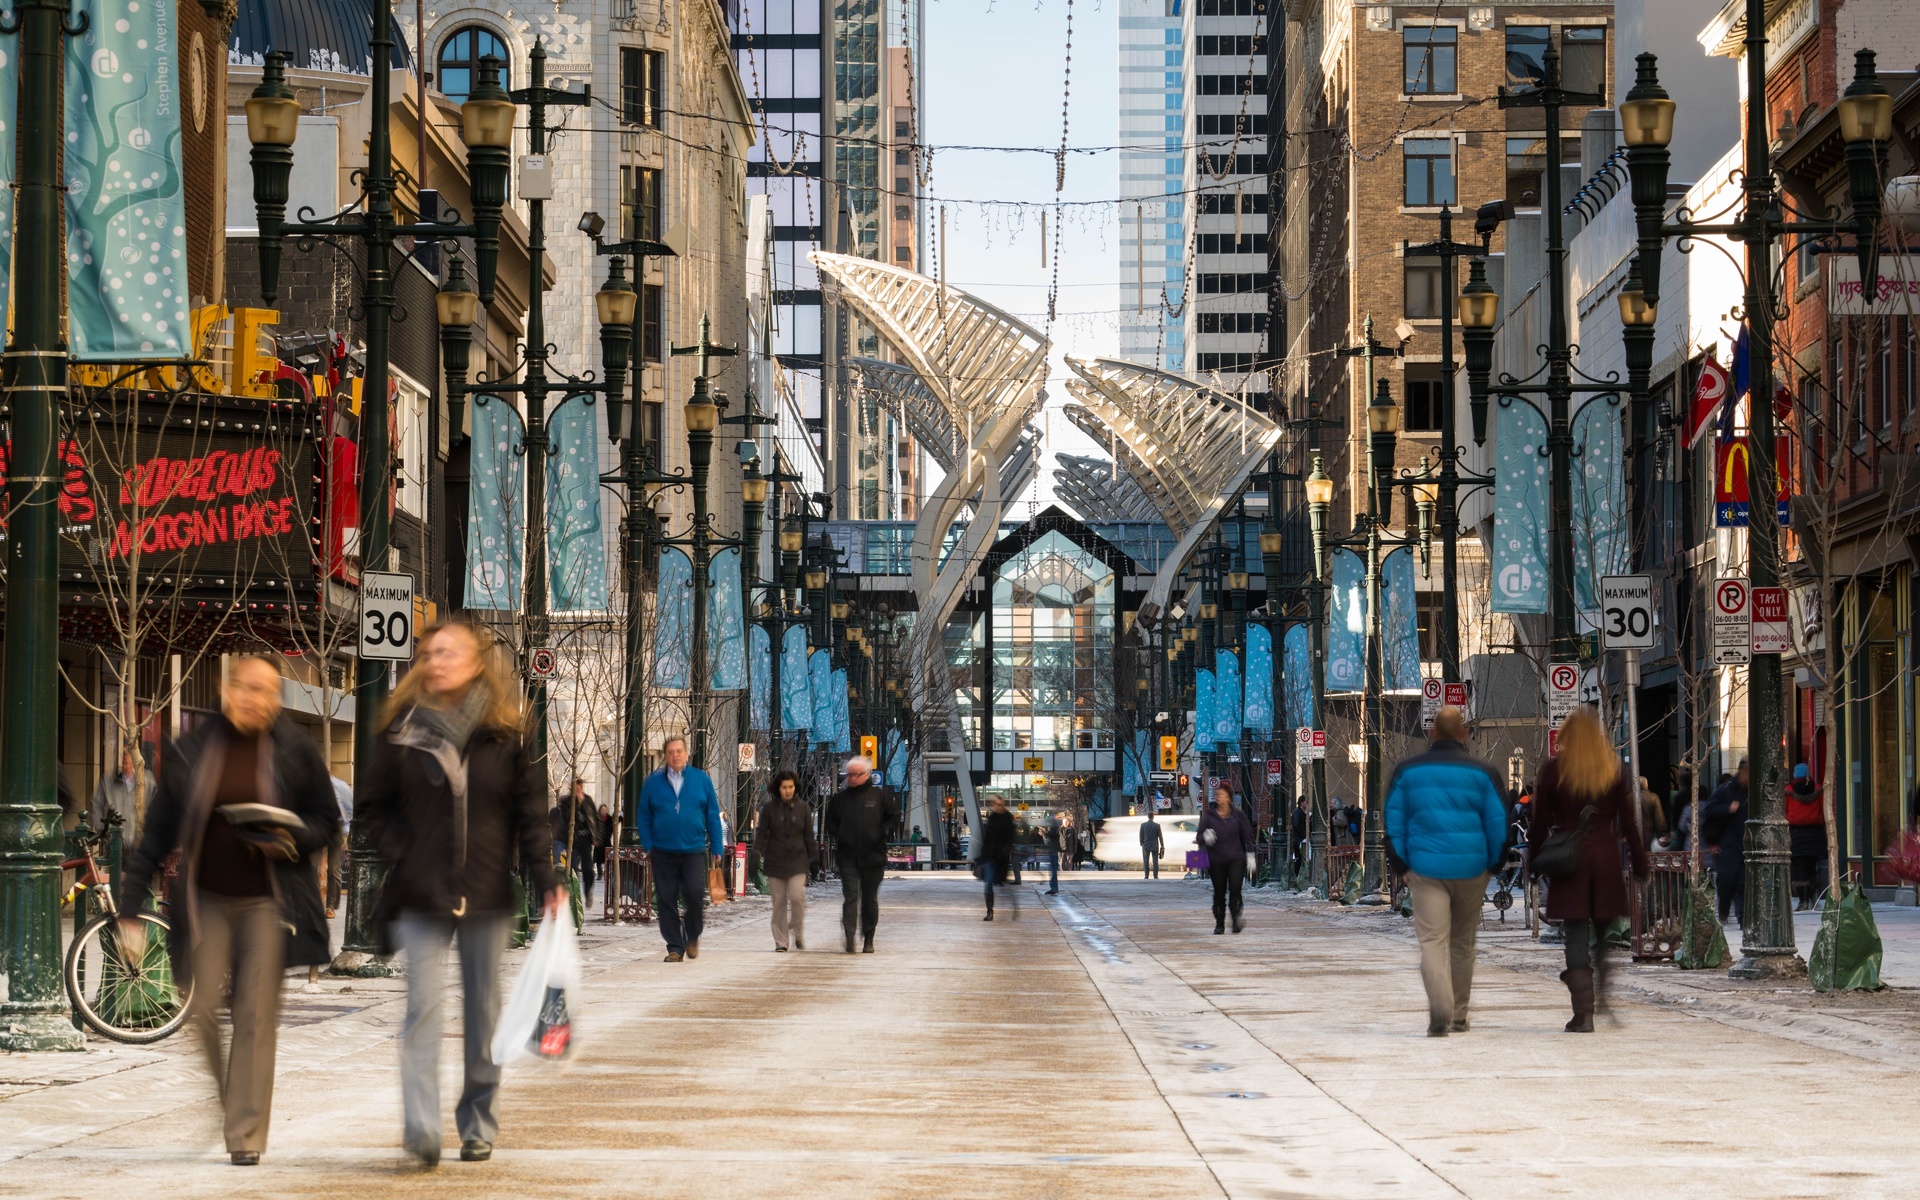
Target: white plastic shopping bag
{"x": 538, "y": 1020}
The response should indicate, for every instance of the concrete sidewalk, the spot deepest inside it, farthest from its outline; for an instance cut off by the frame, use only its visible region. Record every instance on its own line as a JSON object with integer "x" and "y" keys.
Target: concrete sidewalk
{"x": 1105, "y": 1044}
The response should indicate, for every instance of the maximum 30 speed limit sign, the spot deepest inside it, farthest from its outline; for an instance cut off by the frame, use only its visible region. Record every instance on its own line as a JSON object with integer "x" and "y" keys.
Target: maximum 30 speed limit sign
{"x": 386, "y": 616}
{"x": 1626, "y": 612}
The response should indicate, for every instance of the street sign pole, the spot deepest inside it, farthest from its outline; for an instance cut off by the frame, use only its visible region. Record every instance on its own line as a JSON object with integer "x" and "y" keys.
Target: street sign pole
{"x": 1633, "y": 735}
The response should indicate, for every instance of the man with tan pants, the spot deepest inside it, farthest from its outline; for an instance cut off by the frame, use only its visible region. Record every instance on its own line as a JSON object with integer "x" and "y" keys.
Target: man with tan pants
{"x": 1446, "y": 828}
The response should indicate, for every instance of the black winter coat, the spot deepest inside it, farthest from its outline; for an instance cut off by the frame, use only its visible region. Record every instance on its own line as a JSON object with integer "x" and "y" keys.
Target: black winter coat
{"x": 407, "y": 806}
{"x": 862, "y": 820}
{"x": 177, "y": 816}
{"x": 1726, "y": 828}
{"x": 996, "y": 838}
{"x": 1233, "y": 835}
{"x": 787, "y": 846}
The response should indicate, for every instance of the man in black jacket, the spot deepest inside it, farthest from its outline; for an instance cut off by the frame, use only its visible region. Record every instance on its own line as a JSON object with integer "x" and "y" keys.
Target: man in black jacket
{"x": 247, "y": 903}
{"x": 861, "y": 819}
{"x": 1724, "y": 824}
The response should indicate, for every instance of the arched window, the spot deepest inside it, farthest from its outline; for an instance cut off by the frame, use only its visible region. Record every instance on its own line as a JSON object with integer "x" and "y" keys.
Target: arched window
{"x": 460, "y": 57}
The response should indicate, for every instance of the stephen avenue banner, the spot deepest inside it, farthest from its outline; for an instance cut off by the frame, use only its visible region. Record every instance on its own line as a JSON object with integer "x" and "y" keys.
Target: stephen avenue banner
{"x": 218, "y": 509}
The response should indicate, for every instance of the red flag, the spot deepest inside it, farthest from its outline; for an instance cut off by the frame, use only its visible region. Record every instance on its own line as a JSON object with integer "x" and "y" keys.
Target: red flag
{"x": 1707, "y": 397}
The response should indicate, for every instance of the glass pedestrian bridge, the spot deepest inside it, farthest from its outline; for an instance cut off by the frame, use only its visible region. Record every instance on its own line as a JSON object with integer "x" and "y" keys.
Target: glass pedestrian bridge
{"x": 885, "y": 547}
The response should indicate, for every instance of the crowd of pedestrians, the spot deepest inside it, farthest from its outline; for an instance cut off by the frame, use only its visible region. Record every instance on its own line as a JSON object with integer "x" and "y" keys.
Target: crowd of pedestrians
{"x": 452, "y": 805}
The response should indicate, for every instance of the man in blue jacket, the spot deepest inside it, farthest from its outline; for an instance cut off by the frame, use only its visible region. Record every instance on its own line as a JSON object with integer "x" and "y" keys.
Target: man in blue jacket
{"x": 1446, "y": 828}
{"x": 679, "y": 825}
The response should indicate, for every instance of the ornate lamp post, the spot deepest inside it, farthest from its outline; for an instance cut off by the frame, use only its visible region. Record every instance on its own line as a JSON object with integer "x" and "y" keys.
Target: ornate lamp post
{"x": 273, "y": 117}
{"x": 1866, "y": 124}
{"x": 1319, "y": 490}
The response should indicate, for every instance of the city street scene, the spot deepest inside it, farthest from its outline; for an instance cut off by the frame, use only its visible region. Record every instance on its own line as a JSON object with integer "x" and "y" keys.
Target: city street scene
{"x": 966, "y": 599}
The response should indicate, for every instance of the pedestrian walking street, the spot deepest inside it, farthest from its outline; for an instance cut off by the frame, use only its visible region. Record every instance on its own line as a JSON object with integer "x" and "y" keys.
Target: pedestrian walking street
{"x": 1104, "y": 1044}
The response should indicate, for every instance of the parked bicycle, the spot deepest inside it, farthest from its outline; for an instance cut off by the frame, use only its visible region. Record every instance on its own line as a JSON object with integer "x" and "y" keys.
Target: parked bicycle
{"x": 125, "y": 993}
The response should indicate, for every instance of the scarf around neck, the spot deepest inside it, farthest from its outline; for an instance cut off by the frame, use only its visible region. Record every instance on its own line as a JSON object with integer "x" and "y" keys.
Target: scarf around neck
{"x": 455, "y": 724}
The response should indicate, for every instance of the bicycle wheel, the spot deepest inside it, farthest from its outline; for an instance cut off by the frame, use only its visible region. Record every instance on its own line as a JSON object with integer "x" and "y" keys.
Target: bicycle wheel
{"x": 126, "y": 1001}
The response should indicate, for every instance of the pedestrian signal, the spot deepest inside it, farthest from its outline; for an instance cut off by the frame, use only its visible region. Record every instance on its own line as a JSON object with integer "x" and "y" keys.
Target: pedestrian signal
{"x": 1169, "y": 754}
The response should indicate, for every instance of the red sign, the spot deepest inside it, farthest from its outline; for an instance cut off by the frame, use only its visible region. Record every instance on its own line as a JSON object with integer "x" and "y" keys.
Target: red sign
{"x": 1457, "y": 696}
{"x": 1771, "y": 633}
{"x": 1275, "y": 770}
{"x": 1733, "y": 468}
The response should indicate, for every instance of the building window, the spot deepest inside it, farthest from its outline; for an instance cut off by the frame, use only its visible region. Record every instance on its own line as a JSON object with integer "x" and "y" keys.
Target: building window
{"x": 640, "y": 202}
{"x": 902, "y": 254}
{"x": 653, "y": 302}
{"x": 1583, "y": 58}
{"x": 1226, "y": 243}
{"x": 1429, "y": 171}
{"x": 1527, "y": 56}
{"x": 1248, "y": 84}
{"x": 1427, "y": 56}
{"x": 460, "y": 57}
{"x": 1241, "y": 322}
{"x": 643, "y": 86}
{"x": 902, "y": 213}
{"x": 1214, "y": 204}
{"x": 899, "y": 158}
{"x": 1230, "y": 124}
{"x": 1430, "y": 610}
{"x": 1423, "y": 289}
{"x": 1423, "y": 405}
{"x": 1526, "y": 159}
{"x": 903, "y": 187}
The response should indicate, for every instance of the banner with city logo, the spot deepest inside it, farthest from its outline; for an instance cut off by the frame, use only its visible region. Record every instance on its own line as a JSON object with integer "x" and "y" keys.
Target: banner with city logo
{"x": 126, "y": 204}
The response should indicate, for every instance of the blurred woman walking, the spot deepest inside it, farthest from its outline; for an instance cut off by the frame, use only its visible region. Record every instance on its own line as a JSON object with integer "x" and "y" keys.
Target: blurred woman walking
{"x": 787, "y": 849}
{"x": 452, "y": 794}
{"x": 996, "y": 853}
{"x": 1586, "y": 792}
{"x": 1226, "y": 835}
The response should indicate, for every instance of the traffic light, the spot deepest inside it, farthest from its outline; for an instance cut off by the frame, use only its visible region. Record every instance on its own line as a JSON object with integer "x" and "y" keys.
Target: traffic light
{"x": 869, "y": 747}
{"x": 1169, "y": 753}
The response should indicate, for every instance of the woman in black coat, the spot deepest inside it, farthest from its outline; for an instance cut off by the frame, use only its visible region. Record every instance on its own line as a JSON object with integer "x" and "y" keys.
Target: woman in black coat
{"x": 787, "y": 849}
{"x": 451, "y": 797}
{"x": 996, "y": 853}
{"x": 1226, "y": 835}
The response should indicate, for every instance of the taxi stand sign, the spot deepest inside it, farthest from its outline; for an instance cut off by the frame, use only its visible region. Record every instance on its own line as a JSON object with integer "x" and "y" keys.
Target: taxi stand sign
{"x": 1771, "y": 634}
{"x": 1309, "y": 743}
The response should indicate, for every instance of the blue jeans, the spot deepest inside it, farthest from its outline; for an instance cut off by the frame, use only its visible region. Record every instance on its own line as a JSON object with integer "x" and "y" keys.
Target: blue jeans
{"x": 678, "y": 877}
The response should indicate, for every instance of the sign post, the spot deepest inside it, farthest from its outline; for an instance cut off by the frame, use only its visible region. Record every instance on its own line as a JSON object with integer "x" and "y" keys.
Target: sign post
{"x": 1732, "y": 621}
{"x": 386, "y": 616}
{"x": 1563, "y": 696}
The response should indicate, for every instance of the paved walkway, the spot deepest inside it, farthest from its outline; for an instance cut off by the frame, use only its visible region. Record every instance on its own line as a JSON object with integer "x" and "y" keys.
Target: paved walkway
{"x": 1106, "y": 1044}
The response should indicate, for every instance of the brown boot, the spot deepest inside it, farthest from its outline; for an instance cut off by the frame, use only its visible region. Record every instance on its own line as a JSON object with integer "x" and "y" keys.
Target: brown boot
{"x": 1579, "y": 981}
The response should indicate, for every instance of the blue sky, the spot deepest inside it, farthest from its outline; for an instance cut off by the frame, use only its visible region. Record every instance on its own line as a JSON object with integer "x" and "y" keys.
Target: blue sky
{"x": 994, "y": 78}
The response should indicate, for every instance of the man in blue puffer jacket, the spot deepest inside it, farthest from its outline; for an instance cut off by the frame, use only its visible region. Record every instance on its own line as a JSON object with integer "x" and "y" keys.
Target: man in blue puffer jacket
{"x": 678, "y": 819}
{"x": 1446, "y": 828}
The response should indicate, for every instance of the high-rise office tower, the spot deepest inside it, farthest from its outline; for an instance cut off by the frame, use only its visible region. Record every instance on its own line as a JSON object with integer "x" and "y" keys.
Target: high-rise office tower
{"x": 1153, "y": 105}
{"x": 1225, "y": 177}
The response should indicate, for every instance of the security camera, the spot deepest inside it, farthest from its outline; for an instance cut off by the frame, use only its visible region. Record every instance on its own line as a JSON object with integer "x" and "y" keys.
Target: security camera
{"x": 592, "y": 224}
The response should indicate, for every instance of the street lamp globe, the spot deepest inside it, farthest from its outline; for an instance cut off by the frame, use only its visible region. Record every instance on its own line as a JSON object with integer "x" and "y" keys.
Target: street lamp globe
{"x": 1646, "y": 115}
{"x": 487, "y": 114}
{"x": 791, "y": 537}
{"x": 753, "y": 490}
{"x": 816, "y": 579}
{"x": 455, "y": 303}
{"x": 1636, "y": 310}
{"x": 1273, "y": 541}
{"x": 1866, "y": 108}
{"x": 273, "y": 112}
{"x": 1383, "y": 415}
{"x": 1319, "y": 486}
{"x": 701, "y": 414}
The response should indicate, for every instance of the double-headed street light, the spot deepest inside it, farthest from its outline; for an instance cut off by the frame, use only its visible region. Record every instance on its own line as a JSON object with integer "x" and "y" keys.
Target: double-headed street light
{"x": 1866, "y": 124}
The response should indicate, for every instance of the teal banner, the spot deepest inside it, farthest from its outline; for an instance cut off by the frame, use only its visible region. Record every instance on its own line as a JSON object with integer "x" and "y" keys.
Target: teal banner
{"x": 1226, "y": 700}
{"x": 126, "y": 210}
{"x": 1259, "y": 683}
{"x": 9, "y": 107}
{"x": 673, "y": 633}
{"x": 825, "y": 724}
{"x": 1599, "y": 498}
{"x": 1519, "y": 509}
{"x": 576, "y": 544}
{"x": 1400, "y": 623}
{"x": 796, "y": 683}
{"x": 726, "y": 624}
{"x": 896, "y": 761}
{"x": 760, "y": 667}
{"x": 1347, "y": 625}
{"x": 1203, "y": 710}
{"x": 1295, "y": 678}
{"x": 496, "y": 514}
{"x": 842, "y": 714}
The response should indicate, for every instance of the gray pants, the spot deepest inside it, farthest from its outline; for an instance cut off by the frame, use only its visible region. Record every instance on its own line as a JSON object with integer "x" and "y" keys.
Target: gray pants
{"x": 789, "y": 907}
{"x": 425, "y": 940}
{"x": 242, "y": 936}
{"x": 1446, "y": 919}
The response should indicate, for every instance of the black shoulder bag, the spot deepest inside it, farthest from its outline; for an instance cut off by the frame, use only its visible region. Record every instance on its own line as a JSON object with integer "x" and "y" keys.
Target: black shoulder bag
{"x": 1559, "y": 856}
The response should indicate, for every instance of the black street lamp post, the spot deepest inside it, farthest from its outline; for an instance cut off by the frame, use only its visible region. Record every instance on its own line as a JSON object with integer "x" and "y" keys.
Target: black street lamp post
{"x": 1866, "y": 125}
{"x": 1319, "y": 489}
{"x": 273, "y": 115}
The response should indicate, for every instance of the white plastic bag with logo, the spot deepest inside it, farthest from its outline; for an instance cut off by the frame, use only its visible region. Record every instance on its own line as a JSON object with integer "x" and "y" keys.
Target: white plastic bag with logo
{"x": 538, "y": 1021}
